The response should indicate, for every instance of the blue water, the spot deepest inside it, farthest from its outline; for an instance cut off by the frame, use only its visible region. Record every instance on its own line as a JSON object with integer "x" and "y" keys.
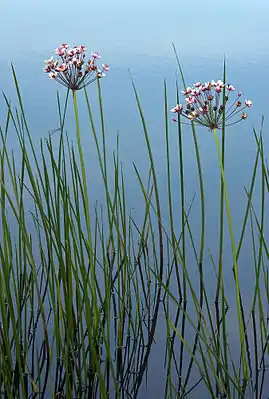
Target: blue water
{"x": 136, "y": 37}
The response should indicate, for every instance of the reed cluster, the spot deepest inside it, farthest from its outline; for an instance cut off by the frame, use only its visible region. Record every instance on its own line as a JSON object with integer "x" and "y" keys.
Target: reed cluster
{"x": 87, "y": 291}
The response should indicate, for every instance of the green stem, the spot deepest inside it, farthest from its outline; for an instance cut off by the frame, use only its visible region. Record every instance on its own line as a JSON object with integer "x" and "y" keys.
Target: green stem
{"x": 235, "y": 266}
{"x": 220, "y": 264}
{"x": 85, "y": 199}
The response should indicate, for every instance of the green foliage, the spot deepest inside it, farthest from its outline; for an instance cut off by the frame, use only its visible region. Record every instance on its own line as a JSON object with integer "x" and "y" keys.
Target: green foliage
{"x": 86, "y": 291}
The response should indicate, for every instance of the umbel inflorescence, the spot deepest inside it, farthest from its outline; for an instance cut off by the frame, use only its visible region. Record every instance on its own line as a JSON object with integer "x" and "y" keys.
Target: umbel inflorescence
{"x": 71, "y": 68}
{"x": 205, "y": 105}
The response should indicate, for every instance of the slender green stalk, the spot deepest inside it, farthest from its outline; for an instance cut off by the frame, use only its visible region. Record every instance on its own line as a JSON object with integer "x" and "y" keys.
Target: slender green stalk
{"x": 202, "y": 236}
{"x": 182, "y": 191}
{"x": 220, "y": 264}
{"x": 235, "y": 266}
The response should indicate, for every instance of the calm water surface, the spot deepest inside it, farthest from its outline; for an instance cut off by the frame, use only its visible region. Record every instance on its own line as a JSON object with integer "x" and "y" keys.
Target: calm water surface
{"x": 138, "y": 36}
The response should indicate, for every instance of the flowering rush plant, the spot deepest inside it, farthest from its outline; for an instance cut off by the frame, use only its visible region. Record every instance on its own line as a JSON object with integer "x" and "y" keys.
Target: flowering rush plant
{"x": 71, "y": 68}
{"x": 205, "y": 105}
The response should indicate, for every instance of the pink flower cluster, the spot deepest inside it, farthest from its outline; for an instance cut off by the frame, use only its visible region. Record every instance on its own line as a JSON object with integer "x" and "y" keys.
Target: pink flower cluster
{"x": 205, "y": 105}
{"x": 72, "y": 70}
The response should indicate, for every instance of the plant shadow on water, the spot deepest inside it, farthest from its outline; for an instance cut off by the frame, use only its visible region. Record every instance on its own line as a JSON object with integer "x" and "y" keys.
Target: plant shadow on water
{"x": 94, "y": 303}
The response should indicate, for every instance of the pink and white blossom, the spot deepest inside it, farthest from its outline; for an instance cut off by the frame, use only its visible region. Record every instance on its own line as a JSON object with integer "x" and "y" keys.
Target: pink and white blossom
{"x": 177, "y": 109}
{"x": 220, "y": 83}
{"x": 72, "y": 70}
{"x": 96, "y": 55}
{"x": 230, "y": 88}
{"x": 53, "y": 75}
{"x": 190, "y": 100}
{"x": 60, "y": 51}
{"x": 208, "y": 105}
{"x": 187, "y": 91}
{"x": 207, "y": 86}
{"x": 105, "y": 67}
{"x": 61, "y": 68}
{"x": 248, "y": 103}
{"x": 195, "y": 93}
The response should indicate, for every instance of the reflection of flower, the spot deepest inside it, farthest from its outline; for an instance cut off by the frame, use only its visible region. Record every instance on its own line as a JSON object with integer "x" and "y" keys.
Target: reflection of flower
{"x": 72, "y": 70}
{"x": 205, "y": 107}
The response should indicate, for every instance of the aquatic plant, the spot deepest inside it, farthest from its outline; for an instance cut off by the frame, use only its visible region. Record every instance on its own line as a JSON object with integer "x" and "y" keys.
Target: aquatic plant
{"x": 71, "y": 68}
{"x": 82, "y": 287}
{"x": 78, "y": 302}
{"x": 209, "y": 105}
{"x": 205, "y": 105}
